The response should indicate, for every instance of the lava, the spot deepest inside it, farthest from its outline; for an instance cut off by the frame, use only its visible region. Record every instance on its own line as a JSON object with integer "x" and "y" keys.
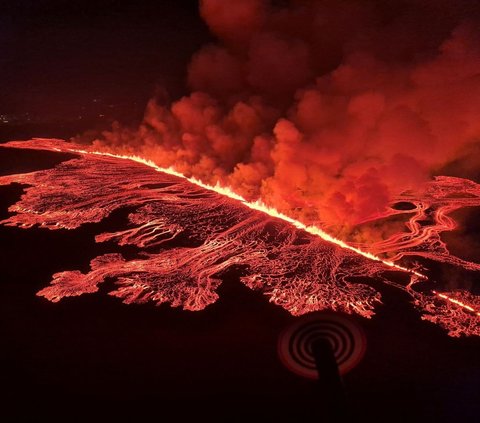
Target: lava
{"x": 188, "y": 234}
{"x": 457, "y": 302}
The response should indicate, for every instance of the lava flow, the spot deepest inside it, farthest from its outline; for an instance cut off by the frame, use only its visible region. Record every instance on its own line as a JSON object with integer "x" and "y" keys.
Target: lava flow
{"x": 188, "y": 234}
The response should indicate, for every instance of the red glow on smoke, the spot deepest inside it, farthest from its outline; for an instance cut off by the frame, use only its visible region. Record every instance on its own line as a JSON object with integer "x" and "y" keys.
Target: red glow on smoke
{"x": 323, "y": 110}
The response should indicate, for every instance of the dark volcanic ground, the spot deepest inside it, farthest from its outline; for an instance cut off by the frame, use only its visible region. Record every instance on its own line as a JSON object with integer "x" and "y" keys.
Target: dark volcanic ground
{"x": 220, "y": 363}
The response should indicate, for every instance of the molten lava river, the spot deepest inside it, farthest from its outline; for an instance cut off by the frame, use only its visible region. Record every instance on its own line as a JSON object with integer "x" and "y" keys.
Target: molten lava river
{"x": 188, "y": 234}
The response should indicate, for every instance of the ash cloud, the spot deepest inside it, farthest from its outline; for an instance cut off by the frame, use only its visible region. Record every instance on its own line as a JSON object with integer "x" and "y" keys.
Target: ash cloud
{"x": 325, "y": 110}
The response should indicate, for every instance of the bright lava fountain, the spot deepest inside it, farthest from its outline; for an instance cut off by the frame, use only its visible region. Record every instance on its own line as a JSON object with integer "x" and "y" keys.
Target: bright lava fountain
{"x": 188, "y": 234}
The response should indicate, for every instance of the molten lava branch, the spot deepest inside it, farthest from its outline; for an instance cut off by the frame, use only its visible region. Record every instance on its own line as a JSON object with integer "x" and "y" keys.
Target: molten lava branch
{"x": 457, "y": 302}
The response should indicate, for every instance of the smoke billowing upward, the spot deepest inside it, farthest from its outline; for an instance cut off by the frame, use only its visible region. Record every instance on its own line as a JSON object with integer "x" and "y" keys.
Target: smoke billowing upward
{"x": 325, "y": 110}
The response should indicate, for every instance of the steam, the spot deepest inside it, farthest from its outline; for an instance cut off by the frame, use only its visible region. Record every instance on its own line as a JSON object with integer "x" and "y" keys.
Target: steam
{"x": 325, "y": 110}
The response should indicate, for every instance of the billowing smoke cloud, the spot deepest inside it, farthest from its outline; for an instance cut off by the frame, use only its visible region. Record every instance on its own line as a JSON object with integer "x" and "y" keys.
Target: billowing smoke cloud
{"x": 323, "y": 109}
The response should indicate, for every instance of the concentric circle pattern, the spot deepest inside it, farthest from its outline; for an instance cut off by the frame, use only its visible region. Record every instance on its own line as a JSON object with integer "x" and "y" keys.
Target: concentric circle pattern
{"x": 346, "y": 338}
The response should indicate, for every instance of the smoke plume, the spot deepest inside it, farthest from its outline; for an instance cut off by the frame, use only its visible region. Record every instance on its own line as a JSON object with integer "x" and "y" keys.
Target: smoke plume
{"x": 325, "y": 110}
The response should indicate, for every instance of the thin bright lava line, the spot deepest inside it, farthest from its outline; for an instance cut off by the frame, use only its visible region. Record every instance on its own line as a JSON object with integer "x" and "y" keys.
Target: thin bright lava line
{"x": 457, "y": 302}
{"x": 257, "y": 205}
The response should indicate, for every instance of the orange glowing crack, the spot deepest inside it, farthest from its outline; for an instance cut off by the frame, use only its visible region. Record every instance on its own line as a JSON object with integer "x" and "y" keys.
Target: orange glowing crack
{"x": 256, "y": 205}
{"x": 457, "y": 302}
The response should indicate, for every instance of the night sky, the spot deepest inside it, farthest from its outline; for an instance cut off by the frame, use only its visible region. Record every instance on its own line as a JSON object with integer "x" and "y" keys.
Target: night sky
{"x": 63, "y": 59}
{"x": 58, "y": 55}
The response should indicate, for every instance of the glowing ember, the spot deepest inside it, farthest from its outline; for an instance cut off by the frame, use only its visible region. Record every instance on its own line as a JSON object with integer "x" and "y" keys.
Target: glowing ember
{"x": 190, "y": 235}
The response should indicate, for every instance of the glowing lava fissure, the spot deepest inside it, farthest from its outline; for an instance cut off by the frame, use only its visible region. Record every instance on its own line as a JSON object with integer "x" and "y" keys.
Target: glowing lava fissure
{"x": 302, "y": 270}
{"x": 259, "y": 206}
